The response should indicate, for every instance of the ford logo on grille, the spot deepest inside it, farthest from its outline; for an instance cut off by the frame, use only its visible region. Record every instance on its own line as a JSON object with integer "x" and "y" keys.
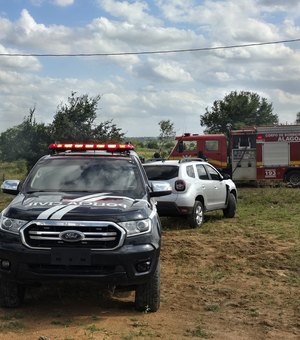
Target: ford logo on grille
{"x": 71, "y": 236}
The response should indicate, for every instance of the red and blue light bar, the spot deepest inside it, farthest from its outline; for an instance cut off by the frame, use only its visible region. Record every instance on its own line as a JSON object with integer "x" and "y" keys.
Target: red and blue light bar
{"x": 113, "y": 147}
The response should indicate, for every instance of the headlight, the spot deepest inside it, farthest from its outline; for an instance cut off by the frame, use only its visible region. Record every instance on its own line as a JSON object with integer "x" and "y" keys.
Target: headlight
{"x": 137, "y": 227}
{"x": 11, "y": 225}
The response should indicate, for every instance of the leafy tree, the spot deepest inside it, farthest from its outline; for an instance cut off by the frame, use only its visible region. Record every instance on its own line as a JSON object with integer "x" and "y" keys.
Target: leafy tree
{"x": 167, "y": 134}
{"x": 238, "y": 110}
{"x": 136, "y": 142}
{"x": 75, "y": 121}
{"x": 152, "y": 144}
{"x": 72, "y": 121}
{"x": 28, "y": 140}
{"x": 107, "y": 131}
{"x": 298, "y": 118}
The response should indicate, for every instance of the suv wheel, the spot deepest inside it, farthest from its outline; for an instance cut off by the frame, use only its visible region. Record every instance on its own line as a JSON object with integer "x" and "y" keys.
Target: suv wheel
{"x": 229, "y": 211}
{"x": 147, "y": 296}
{"x": 11, "y": 293}
{"x": 197, "y": 216}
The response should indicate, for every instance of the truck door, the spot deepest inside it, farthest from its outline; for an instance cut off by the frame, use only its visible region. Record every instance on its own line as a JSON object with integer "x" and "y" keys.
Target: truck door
{"x": 243, "y": 156}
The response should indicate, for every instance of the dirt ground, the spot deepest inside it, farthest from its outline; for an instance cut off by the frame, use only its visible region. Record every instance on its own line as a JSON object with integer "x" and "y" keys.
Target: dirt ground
{"x": 213, "y": 287}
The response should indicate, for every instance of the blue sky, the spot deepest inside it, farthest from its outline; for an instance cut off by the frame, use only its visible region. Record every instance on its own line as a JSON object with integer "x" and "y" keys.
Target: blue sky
{"x": 139, "y": 91}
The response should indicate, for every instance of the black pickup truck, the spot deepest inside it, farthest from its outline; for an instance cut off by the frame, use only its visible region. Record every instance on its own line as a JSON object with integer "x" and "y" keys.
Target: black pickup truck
{"x": 86, "y": 212}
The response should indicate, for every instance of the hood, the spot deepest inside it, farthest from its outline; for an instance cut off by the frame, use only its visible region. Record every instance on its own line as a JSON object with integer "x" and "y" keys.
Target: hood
{"x": 95, "y": 207}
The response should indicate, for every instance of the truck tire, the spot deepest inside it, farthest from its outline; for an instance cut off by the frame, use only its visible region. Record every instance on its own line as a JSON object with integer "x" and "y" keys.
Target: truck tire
{"x": 229, "y": 211}
{"x": 11, "y": 293}
{"x": 196, "y": 218}
{"x": 147, "y": 296}
{"x": 293, "y": 177}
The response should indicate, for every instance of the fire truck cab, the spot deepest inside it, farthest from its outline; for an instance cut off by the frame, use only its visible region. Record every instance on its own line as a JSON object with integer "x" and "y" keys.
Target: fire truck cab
{"x": 211, "y": 148}
{"x": 253, "y": 154}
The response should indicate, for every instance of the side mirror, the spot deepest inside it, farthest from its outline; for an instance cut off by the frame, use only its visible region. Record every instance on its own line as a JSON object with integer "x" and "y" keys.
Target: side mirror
{"x": 10, "y": 186}
{"x": 226, "y": 176}
{"x": 160, "y": 188}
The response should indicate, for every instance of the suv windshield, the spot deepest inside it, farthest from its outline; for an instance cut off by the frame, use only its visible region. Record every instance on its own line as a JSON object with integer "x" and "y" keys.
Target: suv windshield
{"x": 115, "y": 176}
{"x": 163, "y": 172}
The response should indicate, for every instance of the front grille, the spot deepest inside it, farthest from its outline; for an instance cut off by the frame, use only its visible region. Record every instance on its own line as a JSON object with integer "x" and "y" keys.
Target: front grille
{"x": 71, "y": 270}
{"x": 48, "y": 234}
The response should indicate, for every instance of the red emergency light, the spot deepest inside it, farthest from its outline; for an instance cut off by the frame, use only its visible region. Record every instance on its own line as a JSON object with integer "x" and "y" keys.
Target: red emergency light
{"x": 90, "y": 146}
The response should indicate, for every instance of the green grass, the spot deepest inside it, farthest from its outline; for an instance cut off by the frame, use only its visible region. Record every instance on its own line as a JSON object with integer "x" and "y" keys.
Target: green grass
{"x": 14, "y": 170}
{"x": 247, "y": 265}
{"x": 144, "y": 152}
{"x": 63, "y": 323}
{"x": 9, "y": 322}
{"x": 12, "y": 326}
{"x": 213, "y": 307}
{"x": 270, "y": 211}
{"x": 198, "y": 332}
{"x": 260, "y": 247}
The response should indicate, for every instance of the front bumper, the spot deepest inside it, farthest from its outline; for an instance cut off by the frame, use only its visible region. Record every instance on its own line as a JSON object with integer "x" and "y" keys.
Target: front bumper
{"x": 129, "y": 265}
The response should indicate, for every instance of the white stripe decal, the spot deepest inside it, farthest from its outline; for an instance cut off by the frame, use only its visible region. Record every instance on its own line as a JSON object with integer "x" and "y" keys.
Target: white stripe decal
{"x": 47, "y": 213}
{"x": 59, "y": 211}
{"x": 59, "y": 214}
{"x": 88, "y": 197}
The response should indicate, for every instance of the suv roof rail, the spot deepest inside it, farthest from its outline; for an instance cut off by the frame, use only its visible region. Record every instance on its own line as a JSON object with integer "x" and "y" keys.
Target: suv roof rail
{"x": 155, "y": 160}
{"x": 189, "y": 159}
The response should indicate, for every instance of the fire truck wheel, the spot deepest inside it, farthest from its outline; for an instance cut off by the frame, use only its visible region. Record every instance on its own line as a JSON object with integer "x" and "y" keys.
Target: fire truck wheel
{"x": 197, "y": 216}
{"x": 229, "y": 211}
{"x": 293, "y": 177}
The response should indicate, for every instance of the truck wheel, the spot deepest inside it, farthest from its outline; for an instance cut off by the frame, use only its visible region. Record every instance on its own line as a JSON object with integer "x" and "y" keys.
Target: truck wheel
{"x": 197, "y": 216}
{"x": 147, "y": 296}
{"x": 294, "y": 177}
{"x": 11, "y": 293}
{"x": 229, "y": 211}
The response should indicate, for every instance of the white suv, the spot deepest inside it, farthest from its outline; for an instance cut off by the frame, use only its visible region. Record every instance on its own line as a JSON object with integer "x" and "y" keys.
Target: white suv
{"x": 197, "y": 187}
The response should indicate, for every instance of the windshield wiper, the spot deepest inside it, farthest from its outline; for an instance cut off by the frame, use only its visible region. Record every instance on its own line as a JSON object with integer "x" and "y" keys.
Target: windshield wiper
{"x": 34, "y": 191}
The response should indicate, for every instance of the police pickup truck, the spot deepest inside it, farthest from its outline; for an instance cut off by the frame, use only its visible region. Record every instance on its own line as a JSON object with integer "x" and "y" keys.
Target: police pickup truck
{"x": 86, "y": 211}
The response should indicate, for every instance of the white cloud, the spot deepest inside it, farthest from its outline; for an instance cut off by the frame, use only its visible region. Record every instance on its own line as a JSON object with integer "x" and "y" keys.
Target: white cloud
{"x": 291, "y": 6}
{"x": 171, "y": 71}
{"x": 30, "y": 36}
{"x": 225, "y": 21}
{"x": 134, "y": 12}
{"x": 142, "y": 110}
{"x": 37, "y": 2}
{"x": 27, "y": 25}
{"x": 18, "y": 63}
{"x": 138, "y": 91}
{"x": 60, "y": 3}
{"x": 63, "y": 3}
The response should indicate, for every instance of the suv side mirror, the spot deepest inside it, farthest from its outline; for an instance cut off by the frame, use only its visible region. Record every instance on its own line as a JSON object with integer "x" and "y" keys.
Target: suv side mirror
{"x": 226, "y": 176}
{"x": 160, "y": 188}
{"x": 10, "y": 186}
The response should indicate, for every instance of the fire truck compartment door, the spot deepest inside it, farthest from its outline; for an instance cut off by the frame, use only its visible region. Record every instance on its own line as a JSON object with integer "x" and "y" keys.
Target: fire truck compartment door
{"x": 276, "y": 153}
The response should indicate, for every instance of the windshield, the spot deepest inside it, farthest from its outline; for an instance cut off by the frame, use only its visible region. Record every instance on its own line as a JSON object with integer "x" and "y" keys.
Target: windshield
{"x": 114, "y": 176}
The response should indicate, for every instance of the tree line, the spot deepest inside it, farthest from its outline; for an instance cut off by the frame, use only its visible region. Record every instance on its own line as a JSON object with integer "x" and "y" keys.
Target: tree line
{"x": 75, "y": 120}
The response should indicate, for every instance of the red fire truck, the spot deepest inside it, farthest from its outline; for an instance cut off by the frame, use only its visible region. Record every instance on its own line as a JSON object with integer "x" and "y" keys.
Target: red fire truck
{"x": 252, "y": 154}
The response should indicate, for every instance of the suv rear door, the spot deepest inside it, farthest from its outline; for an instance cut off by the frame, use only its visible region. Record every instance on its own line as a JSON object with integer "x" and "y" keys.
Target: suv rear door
{"x": 212, "y": 186}
{"x": 217, "y": 192}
